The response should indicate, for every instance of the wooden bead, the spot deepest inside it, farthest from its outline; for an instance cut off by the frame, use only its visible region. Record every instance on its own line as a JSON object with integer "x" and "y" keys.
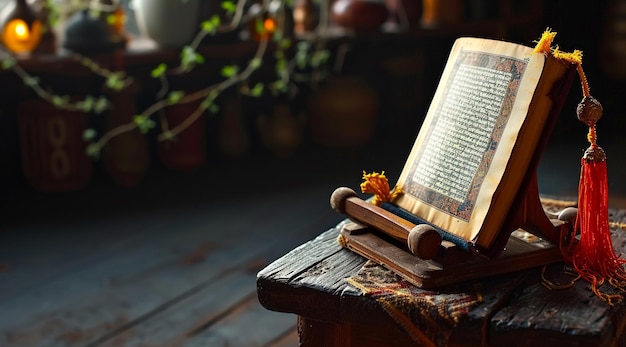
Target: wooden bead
{"x": 424, "y": 241}
{"x": 568, "y": 214}
{"x": 589, "y": 110}
{"x": 339, "y": 197}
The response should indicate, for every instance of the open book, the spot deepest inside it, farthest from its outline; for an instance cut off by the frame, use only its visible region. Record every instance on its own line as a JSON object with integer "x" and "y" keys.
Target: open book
{"x": 482, "y": 135}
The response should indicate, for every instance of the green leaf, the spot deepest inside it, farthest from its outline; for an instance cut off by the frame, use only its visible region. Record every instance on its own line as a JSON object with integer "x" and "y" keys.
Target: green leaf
{"x": 279, "y": 86}
{"x": 115, "y": 81}
{"x": 319, "y": 58}
{"x": 86, "y": 105}
{"x": 213, "y": 94}
{"x": 257, "y": 90}
{"x": 208, "y": 27}
{"x": 111, "y": 19}
{"x": 302, "y": 54}
{"x": 285, "y": 43}
{"x": 303, "y": 46}
{"x": 174, "y": 97}
{"x": 278, "y": 35}
{"x": 59, "y": 101}
{"x": 159, "y": 70}
{"x": 8, "y": 63}
{"x": 281, "y": 67}
{"x": 302, "y": 59}
{"x": 31, "y": 81}
{"x": 168, "y": 135}
{"x": 101, "y": 105}
{"x": 213, "y": 108}
{"x": 230, "y": 7}
{"x": 259, "y": 27}
{"x": 206, "y": 103}
{"x": 89, "y": 134}
{"x": 211, "y": 25}
{"x": 256, "y": 63}
{"x": 53, "y": 12}
{"x": 229, "y": 71}
{"x": 93, "y": 150}
{"x": 189, "y": 58}
{"x": 143, "y": 123}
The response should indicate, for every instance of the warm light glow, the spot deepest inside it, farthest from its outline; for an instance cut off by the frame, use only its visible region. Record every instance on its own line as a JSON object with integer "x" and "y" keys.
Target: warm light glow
{"x": 21, "y": 30}
{"x": 18, "y": 38}
{"x": 270, "y": 25}
{"x": 299, "y": 14}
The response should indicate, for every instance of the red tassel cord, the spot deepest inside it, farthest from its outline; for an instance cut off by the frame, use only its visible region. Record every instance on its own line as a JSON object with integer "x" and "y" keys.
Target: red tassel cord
{"x": 590, "y": 251}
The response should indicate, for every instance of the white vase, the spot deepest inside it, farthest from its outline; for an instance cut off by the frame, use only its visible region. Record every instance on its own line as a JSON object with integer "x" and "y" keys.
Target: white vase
{"x": 170, "y": 23}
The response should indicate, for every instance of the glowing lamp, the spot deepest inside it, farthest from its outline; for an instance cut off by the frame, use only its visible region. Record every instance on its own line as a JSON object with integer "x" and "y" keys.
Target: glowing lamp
{"x": 263, "y": 22}
{"x": 269, "y": 24}
{"x": 21, "y": 29}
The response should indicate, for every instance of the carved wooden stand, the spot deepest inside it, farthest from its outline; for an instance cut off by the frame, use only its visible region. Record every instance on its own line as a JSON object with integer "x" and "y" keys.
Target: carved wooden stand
{"x": 418, "y": 253}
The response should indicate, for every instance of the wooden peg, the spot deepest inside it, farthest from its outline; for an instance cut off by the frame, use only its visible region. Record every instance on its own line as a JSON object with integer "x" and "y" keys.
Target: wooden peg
{"x": 422, "y": 240}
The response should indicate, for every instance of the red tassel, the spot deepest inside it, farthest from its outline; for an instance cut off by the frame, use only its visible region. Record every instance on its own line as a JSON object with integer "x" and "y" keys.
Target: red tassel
{"x": 590, "y": 250}
{"x": 592, "y": 254}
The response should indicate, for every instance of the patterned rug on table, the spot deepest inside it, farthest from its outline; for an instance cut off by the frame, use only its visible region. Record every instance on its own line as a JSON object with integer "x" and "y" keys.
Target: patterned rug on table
{"x": 411, "y": 306}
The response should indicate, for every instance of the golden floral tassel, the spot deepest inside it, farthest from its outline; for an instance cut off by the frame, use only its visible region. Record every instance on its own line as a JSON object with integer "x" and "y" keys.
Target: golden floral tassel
{"x": 377, "y": 184}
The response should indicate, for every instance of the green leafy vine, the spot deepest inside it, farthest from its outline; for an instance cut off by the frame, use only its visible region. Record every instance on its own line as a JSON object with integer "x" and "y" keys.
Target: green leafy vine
{"x": 305, "y": 56}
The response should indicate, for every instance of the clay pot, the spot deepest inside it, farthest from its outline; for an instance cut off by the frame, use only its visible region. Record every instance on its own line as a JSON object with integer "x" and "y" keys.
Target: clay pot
{"x": 360, "y": 15}
{"x": 53, "y": 150}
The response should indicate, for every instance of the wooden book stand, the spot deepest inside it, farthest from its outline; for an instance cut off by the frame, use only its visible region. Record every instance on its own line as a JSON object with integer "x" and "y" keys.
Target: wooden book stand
{"x": 417, "y": 253}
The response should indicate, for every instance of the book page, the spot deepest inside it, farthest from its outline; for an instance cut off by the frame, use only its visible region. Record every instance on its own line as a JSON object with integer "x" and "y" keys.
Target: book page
{"x": 472, "y": 125}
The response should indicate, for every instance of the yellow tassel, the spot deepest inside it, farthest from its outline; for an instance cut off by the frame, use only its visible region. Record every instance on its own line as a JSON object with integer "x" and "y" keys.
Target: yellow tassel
{"x": 575, "y": 57}
{"x": 544, "y": 45}
{"x": 378, "y": 185}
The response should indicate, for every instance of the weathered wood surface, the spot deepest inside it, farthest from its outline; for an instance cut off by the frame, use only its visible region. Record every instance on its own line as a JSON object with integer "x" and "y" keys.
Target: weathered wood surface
{"x": 516, "y": 309}
{"x": 184, "y": 278}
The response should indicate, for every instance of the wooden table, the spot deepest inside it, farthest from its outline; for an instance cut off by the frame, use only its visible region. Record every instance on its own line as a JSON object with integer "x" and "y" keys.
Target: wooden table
{"x": 512, "y": 310}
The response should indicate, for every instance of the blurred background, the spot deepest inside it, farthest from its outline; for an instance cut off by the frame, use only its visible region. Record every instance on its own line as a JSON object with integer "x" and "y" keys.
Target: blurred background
{"x": 359, "y": 109}
{"x": 146, "y": 176}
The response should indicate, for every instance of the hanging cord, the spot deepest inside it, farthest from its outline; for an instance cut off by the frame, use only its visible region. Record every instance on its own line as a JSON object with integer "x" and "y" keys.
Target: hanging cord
{"x": 590, "y": 250}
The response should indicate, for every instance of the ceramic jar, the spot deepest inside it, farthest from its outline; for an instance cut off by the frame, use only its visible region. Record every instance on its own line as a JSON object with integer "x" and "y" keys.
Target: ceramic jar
{"x": 170, "y": 23}
{"x": 360, "y": 15}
